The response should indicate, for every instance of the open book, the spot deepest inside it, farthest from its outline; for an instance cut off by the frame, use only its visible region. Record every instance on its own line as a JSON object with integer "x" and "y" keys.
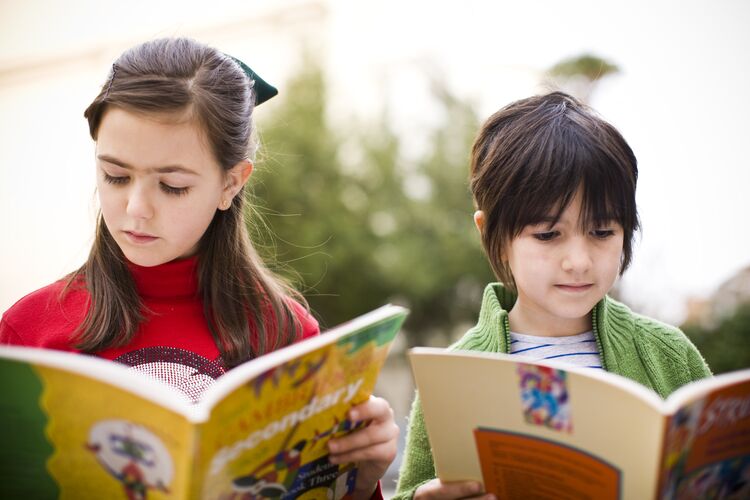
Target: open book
{"x": 75, "y": 426}
{"x": 545, "y": 430}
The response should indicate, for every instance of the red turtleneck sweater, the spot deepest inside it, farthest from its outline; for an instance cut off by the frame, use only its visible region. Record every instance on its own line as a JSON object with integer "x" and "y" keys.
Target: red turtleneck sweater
{"x": 173, "y": 343}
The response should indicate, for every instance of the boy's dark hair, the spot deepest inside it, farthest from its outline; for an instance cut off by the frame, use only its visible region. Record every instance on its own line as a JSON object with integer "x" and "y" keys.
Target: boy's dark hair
{"x": 530, "y": 159}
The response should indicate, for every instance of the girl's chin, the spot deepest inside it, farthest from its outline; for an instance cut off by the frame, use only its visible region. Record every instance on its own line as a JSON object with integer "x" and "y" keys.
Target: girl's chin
{"x": 150, "y": 260}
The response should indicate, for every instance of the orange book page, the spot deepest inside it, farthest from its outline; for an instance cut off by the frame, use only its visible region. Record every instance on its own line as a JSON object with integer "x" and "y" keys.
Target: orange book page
{"x": 518, "y": 466}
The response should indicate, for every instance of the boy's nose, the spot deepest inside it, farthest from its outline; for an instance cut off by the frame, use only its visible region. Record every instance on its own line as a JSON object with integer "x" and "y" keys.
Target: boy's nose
{"x": 139, "y": 203}
{"x": 577, "y": 257}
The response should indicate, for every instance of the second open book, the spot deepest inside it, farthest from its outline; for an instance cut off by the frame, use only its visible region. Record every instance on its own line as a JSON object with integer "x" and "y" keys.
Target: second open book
{"x": 544, "y": 430}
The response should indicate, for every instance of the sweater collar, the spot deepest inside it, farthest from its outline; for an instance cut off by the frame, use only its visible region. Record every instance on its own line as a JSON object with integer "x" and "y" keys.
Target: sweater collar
{"x": 493, "y": 317}
{"x": 173, "y": 280}
{"x": 498, "y": 300}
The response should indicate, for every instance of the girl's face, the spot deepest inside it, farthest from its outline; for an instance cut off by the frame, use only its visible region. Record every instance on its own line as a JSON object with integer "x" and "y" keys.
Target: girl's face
{"x": 159, "y": 186}
{"x": 561, "y": 273}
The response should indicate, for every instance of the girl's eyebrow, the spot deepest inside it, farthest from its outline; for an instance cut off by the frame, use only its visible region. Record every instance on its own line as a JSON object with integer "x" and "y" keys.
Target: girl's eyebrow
{"x": 162, "y": 170}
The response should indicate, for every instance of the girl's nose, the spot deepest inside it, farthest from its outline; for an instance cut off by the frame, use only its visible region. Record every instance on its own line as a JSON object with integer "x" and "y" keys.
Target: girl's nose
{"x": 139, "y": 203}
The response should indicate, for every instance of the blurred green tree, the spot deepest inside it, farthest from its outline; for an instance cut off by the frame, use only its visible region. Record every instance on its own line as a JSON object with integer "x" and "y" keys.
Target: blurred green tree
{"x": 359, "y": 226}
{"x": 589, "y": 66}
{"x": 727, "y": 346}
{"x": 579, "y": 75}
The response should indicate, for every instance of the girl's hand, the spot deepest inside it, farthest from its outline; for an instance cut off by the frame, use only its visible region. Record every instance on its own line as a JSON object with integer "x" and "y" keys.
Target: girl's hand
{"x": 438, "y": 490}
{"x": 373, "y": 448}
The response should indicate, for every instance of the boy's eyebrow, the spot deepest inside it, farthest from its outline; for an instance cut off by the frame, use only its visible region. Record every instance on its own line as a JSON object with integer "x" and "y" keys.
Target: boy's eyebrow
{"x": 546, "y": 219}
{"x": 162, "y": 170}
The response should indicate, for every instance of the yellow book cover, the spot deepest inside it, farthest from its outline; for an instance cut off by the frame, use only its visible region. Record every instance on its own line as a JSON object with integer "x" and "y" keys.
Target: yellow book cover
{"x": 75, "y": 426}
{"x": 541, "y": 429}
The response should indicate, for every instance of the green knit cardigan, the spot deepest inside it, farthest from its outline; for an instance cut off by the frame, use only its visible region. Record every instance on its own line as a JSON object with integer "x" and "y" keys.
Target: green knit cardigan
{"x": 652, "y": 353}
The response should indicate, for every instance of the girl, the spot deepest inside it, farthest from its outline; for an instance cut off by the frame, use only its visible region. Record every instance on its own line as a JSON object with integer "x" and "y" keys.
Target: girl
{"x": 554, "y": 186}
{"x": 172, "y": 285}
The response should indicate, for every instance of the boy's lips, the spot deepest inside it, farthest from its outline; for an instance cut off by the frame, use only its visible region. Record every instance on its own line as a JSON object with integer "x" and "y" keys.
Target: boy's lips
{"x": 574, "y": 287}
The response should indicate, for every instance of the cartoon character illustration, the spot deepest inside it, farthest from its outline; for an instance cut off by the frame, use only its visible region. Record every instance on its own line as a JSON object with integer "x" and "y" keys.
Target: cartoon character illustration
{"x": 544, "y": 397}
{"x": 285, "y": 476}
{"x": 275, "y": 375}
{"x": 678, "y": 443}
{"x": 339, "y": 427}
{"x": 272, "y": 478}
{"x": 725, "y": 480}
{"x": 132, "y": 455}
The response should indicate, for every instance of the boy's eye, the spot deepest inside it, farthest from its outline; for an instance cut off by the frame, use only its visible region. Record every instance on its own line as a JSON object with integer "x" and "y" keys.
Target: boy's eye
{"x": 173, "y": 190}
{"x": 114, "y": 179}
{"x": 602, "y": 233}
{"x": 546, "y": 235}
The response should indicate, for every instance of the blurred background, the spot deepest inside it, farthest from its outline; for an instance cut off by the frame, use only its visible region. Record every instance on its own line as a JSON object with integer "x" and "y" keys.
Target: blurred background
{"x": 360, "y": 191}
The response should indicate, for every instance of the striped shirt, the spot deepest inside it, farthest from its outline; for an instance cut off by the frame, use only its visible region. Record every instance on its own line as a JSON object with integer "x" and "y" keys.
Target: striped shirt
{"x": 579, "y": 350}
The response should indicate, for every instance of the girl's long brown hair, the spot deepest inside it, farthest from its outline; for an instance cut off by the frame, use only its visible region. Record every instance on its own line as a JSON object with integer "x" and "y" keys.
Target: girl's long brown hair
{"x": 247, "y": 308}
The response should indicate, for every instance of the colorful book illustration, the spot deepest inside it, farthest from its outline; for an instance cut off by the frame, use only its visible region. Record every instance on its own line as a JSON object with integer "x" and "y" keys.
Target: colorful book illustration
{"x": 534, "y": 429}
{"x": 544, "y": 396}
{"x": 74, "y": 426}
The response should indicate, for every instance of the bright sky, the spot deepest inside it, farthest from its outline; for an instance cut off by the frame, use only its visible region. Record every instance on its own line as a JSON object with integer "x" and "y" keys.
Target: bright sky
{"x": 681, "y": 100}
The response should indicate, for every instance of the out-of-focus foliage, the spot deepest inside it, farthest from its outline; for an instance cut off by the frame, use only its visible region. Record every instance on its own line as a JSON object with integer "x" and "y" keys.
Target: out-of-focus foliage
{"x": 580, "y": 75}
{"x": 589, "y": 66}
{"x": 727, "y": 346}
{"x": 359, "y": 225}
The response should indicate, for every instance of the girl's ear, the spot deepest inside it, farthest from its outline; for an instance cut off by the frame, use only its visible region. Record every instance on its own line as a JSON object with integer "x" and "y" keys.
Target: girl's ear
{"x": 236, "y": 177}
{"x": 479, "y": 220}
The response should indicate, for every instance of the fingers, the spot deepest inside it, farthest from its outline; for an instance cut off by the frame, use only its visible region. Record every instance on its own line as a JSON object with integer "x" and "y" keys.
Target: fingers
{"x": 379, "y": 431}
{"x": 438, "y": 490}
{"x": 384, "y": 453}
{"x": 372, "y": 409}
{"x": 377, "y": 442}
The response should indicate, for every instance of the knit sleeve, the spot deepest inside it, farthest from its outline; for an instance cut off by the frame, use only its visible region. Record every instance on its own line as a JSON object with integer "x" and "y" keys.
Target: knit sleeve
{"x": 698, "y": 367}
{"x": 417, "y": 466}
{"x": 45, "y": 318}
{"x": 8, "y": 336}
{"x": 668, "y": 358}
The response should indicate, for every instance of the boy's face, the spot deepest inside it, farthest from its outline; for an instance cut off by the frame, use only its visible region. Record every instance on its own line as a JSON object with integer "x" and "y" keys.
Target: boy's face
{"x": 159, "y": 186}
{"x": 561, "y": 272}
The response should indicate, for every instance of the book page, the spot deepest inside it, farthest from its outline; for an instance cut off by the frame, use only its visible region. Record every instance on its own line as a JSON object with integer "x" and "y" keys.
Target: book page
{"x": 522, "y": 466}
{"x": 89, "y": 439}
{"x": 268, "y": 437}
{"x": 574, "y": 418}
{"x": 707, "y": 446}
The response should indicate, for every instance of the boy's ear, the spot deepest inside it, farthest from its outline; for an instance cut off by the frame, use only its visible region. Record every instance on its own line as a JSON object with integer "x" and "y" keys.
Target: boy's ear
{"x": 479, "y": 220}
{"x": 236, "y": 177}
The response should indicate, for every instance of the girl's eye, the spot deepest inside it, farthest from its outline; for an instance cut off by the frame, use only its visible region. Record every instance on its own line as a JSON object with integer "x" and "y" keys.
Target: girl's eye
{"x": 115, "y": 180}
{"x": 173, "y": 190}
{"x": 602, "y": 233}
{"x": 546, "y": 235}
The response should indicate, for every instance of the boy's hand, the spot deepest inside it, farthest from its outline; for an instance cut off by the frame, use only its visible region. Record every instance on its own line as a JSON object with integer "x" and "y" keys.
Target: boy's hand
{"x": 438, "y": 490}
{"x": 373, "y": 448}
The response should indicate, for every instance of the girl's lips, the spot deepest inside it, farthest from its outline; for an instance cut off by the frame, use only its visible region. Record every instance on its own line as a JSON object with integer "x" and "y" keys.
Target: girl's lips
{"x": 139, "y": 238}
